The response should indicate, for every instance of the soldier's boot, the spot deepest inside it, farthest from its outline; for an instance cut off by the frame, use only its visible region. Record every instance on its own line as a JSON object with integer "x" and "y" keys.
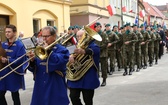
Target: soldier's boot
{"x": 130, "y": 71}
{"x": 156, "y": 62}
{"x": 104, "y": 82}
{"x": 138, "y": 69}
{"x": 125, "y": 72}
{"x": 111, "y": 71}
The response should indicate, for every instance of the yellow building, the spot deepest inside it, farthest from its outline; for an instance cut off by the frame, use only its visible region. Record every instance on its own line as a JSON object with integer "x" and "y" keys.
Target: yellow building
{"x": 83, "y": 12}
{"x": 31, "y": 15}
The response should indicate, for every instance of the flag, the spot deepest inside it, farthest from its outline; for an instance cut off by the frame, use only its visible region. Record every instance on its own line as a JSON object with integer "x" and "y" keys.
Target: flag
{"x": 145, "y": 24}
{"x": 111, "y": 9}
{"x": 124, "y": 9}
{"x": 92, "y": 26}
{"x": 148, "y": 19}
{"x": 74, "y": 41}
{"x": 131, "y": 11}
{"x": 136, "y": 20}
{"x": 142, "y": 13}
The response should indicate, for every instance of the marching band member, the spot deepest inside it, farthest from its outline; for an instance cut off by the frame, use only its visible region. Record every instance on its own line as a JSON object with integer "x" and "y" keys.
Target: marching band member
{"x": 90, "y": 80}
{"x": 15, "y": 81}
{"x": 50, "y": 87}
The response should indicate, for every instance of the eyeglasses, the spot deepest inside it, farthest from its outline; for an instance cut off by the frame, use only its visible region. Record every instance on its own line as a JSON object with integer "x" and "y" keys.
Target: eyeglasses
{"x": 46, "y": 36}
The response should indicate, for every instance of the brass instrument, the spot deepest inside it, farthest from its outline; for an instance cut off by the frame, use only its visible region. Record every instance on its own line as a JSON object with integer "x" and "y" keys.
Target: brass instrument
{"x": 82, "y": 63}
{"x": 40, "y": 52}
{"x": 67, "y": 39}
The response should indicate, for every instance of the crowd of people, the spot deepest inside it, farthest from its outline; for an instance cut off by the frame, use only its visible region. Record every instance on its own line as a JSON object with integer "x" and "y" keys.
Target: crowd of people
{"x": 131, "y": 48}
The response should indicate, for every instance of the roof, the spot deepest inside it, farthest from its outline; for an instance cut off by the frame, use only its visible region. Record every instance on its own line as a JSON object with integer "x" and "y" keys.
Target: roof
{"x": 158, "y": 12}
{"x": 163, "y": 7}
{"x": 150, "y": 10}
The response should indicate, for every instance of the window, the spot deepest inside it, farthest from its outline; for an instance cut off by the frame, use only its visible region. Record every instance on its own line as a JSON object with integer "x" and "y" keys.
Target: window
{"x": 119, "y": 3}
{"x": 50, "y": 22}
{"x": 36, "y": 25}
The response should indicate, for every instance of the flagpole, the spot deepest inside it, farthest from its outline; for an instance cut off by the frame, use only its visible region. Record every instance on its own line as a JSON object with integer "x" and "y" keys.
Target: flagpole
{"x": 138, "y": 11}
{"x": 121, "y": 14}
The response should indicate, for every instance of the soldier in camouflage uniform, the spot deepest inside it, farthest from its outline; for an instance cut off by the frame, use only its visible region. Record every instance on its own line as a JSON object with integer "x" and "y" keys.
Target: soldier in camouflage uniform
{"x": 118, "y": 48}
{"x": 138, "y": 47}
{"x": 144, "y": 46}
{"x": 113, "y": 39}
{"x": 129, "y": 39}
{"x": 151, "y": 45}
{"x": 103, "y": 51}
{"x": 156, "y": 45}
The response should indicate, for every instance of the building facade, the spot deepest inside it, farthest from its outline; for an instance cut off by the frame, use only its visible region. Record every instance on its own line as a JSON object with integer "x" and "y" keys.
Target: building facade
{"x": 83, "y": 12}
{"x": 31, "y": 15}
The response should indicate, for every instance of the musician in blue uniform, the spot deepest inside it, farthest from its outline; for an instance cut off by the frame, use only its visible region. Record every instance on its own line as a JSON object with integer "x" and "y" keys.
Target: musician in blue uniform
{"x": 49, "y": 74}
{"x": 90, "y": 79}
{"x": 15, "y": 81}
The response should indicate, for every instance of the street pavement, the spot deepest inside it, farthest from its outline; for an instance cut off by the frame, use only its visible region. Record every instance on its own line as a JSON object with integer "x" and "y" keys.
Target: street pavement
{"x": 147, "y": 87}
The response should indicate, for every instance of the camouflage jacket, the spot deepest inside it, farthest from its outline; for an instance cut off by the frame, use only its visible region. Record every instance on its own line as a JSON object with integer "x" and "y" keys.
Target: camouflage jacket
{"x": 140, "y": 39}
{"x": 131, "y": 37}
{"x": 158, "y": 39}
{"x": 113, "y": 39}
{"x": 146, "y": 37}
{"x": 153, "y": 38}
{"x": 103, "y": 44}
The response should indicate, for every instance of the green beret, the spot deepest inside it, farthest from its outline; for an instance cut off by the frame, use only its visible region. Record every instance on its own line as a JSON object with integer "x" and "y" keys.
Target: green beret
{"x": 55, "y": 27}
{"x": 71, "y": 27}
{"x": 159, "y": 26}
{"x": 76, "y": 26}
{"x": 97, "y": 24}
{"x": 141, "y": 25}
{"x": 134, "y": 25}
{"x": 127, "y": 24}
{"x": 107, "y": 25}
{"x": 121, "y": 28}
{"x": 115, "y": 26}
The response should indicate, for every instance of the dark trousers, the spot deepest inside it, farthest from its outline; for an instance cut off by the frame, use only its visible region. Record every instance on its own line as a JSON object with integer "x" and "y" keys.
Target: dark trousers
{"x": 15, "y": 98}
{"x": 87, "y": 96}
{"x": 160, "y": 50}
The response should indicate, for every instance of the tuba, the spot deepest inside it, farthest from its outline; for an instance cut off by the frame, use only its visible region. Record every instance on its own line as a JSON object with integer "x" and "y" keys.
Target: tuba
{"x": 82, "y": 63}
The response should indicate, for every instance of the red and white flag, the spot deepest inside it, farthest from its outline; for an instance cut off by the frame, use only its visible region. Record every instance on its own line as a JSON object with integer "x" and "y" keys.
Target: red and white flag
{"x": 74, "y": 41}
{"x": 111, "y": 9}
{"x": 131, "y": 11}
{"x": 124, "y": 9}
{"x": 142, "y": 13}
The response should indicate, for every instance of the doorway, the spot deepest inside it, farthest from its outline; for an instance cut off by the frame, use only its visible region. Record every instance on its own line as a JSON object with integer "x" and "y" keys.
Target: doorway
{"x": 4, "y": 20}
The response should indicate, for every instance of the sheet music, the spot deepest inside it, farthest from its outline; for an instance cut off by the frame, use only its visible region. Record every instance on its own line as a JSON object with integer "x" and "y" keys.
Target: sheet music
{"x": 28, "y": 43}
{"x": 71, "y": 48}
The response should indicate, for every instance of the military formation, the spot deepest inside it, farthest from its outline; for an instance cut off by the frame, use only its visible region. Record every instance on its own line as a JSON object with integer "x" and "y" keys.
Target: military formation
{"x": 130, "y": 47}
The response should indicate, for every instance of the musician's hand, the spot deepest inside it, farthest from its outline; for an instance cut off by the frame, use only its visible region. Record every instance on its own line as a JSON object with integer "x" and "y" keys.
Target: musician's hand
{"x": 142, "y": 43}
{"x": 31, "y": 54}
{"x": 71, "y": 59}
{"x": 4, "y": 60}
{"x": 127, "y": 42}
{"x": 109, "y": 44}
{"x": 79, "y": 51}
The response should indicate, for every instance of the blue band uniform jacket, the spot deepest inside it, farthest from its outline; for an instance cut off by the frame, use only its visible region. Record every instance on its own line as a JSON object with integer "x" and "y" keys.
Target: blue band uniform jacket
{"x": 50, "y": 87}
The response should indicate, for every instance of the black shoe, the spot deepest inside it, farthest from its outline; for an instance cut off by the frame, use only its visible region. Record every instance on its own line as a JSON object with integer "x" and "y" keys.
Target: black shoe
{"x": 111, "y": 73}
{"x": 137, "y": 70}
{"x": 125, "y": 73}
{"x": 104, "y": 82}
{"x": 144, "y": 67}
{"x": 156, "y": 63}
{"x": 130, "y": 73}
{"x": 150, "y": 64}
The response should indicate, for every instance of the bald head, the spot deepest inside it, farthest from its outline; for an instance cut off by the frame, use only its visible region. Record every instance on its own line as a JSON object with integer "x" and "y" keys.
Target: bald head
{"x": 79, "y": 34}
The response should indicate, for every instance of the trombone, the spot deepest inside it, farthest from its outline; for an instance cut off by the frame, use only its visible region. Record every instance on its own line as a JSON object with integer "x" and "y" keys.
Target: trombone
{"x": 37, "y": 49}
